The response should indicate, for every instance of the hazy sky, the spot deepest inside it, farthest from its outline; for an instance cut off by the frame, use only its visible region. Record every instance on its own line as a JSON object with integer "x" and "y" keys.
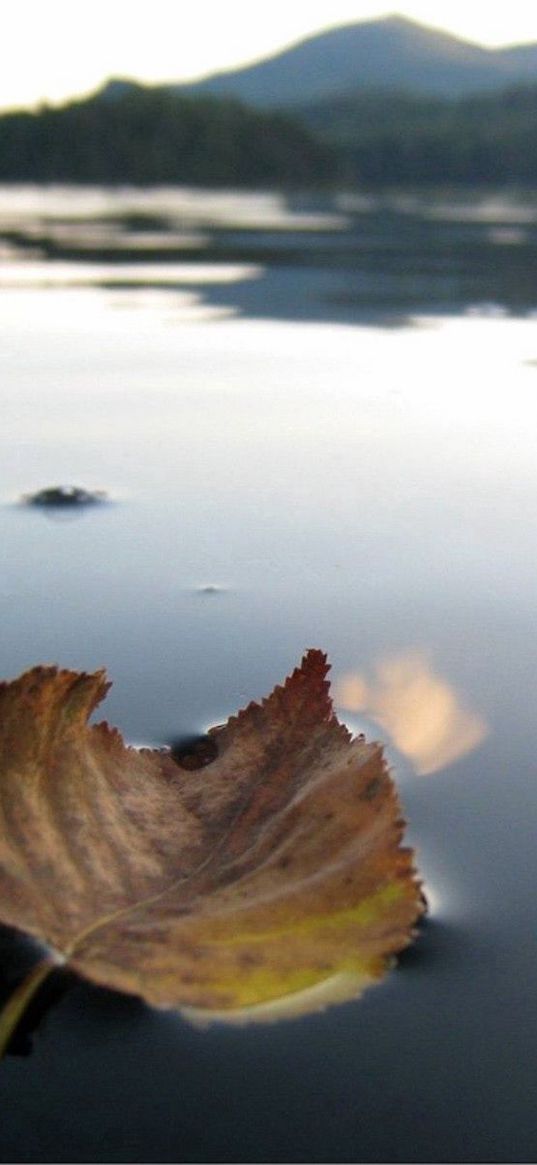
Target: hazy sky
{"x": 53, "y": 49}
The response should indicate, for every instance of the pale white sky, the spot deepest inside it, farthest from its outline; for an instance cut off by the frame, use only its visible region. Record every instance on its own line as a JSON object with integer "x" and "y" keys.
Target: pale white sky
{"x": 54, "y": 49}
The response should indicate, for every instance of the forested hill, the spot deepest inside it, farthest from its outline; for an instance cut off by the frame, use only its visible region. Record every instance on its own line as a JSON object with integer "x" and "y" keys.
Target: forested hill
{"x": 128, "y": 134}
{"x": 152, "y": 136}
{"x": 403, "y": 138}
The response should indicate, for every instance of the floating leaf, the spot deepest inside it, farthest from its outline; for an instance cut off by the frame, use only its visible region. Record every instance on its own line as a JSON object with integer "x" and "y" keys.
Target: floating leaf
{"x": 271, "y": 881}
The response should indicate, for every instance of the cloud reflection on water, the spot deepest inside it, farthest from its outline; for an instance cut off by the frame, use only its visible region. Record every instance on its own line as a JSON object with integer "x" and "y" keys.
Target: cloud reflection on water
{"x": 422, "y": 711}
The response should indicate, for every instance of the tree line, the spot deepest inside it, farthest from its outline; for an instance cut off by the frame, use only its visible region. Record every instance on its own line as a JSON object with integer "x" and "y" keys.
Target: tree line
{"x": 153, "y": 136}
{"x": 382, "y": 139}
{"x": 149, "y": 136}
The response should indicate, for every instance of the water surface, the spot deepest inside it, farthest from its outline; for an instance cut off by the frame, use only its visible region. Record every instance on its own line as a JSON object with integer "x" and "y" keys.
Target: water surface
{"x": 316, "y": 428}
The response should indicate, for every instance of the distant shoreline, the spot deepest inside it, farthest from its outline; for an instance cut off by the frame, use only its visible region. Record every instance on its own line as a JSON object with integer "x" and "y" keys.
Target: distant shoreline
{"x": 370, "y": 141}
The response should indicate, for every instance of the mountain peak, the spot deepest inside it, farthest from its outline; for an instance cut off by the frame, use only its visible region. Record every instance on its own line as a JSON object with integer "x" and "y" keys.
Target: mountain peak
{"x": 391, "y": 53}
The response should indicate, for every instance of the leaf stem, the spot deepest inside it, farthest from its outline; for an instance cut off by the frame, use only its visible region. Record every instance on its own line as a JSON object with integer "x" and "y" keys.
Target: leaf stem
{"x": 13, "y": 1011}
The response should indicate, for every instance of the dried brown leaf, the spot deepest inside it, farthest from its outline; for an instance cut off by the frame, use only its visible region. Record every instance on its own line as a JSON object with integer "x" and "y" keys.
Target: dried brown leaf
{"x": 270, "y": 882}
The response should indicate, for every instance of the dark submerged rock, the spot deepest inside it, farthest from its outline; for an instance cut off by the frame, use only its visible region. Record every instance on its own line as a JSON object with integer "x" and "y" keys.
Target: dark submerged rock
{"x": 64, "y": 496}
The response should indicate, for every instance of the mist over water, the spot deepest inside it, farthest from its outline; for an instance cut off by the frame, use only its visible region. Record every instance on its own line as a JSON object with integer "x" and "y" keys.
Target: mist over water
{"x": 315, "y": 424}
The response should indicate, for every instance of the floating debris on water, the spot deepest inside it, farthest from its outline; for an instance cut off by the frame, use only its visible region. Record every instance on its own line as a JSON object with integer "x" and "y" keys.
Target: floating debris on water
{"x": 64, "y": 495}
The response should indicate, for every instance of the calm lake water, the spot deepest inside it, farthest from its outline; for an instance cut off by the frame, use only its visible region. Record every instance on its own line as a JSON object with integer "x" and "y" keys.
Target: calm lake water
{"x": 317, "y": 427}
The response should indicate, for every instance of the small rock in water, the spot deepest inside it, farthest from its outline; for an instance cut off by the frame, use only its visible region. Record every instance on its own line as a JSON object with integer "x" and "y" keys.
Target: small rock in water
{"x": 65, "y": 495}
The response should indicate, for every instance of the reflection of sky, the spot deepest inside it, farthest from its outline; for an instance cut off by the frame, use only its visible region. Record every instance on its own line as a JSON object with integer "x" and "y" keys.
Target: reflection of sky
{"x": 25, "y": 205}
{"x": 341, "y": 259}
{"x": 423, "y": 713}
{"x": 39, "y": 274}
{"x": 276, "y": 486}
{"x": 345, "y": 484}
